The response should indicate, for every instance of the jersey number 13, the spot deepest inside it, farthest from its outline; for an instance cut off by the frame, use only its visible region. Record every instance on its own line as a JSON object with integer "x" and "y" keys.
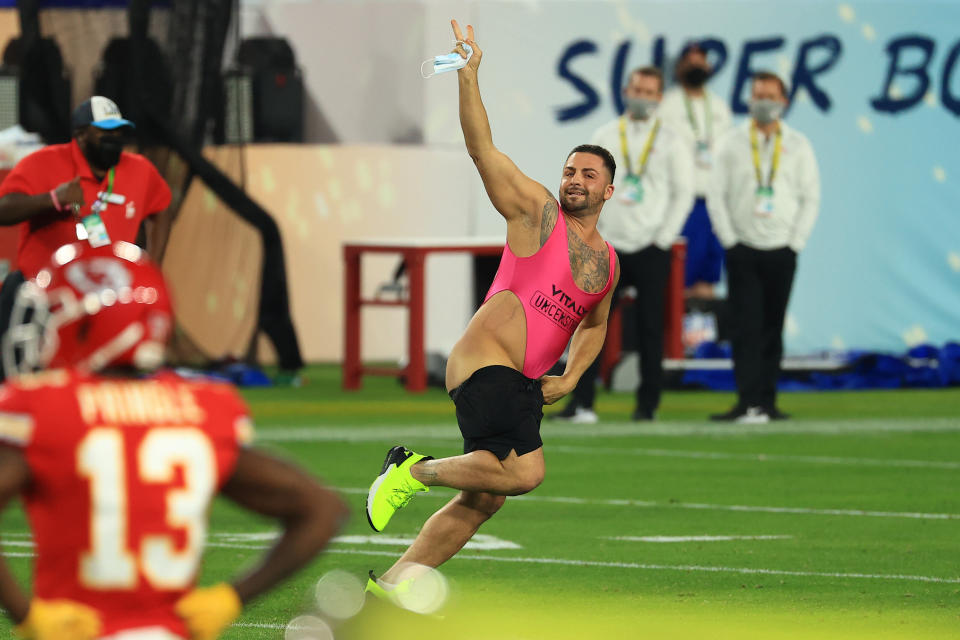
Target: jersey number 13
{"x": 110, "y": 563}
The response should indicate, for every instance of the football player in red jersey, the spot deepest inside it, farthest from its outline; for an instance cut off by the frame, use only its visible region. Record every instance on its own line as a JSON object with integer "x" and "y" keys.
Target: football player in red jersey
{"x": 117, "y": 471}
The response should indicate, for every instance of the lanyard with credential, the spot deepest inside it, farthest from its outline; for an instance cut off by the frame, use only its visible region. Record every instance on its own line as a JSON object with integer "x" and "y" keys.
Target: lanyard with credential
{"x": 104, "y": 198}
{"x": 645, "y": 154}
{"x": 755, "y": 147}
{"x": 707, "y": 117}
{"x": 91, "y": 227}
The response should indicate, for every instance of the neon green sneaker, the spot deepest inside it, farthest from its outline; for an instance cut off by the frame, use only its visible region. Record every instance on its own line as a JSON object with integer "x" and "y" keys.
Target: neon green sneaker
{"x": 394, "y": 487}
{"x": 374, "y": 589}
{"x": 416, "y": 600}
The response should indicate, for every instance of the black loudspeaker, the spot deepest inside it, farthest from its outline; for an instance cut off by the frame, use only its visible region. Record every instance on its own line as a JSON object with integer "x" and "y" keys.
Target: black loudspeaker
{"x": 9, "y": 97}
{"x": 43, "y": 94}
{"x": 276, "y": 91}
{"x": 114, "y": 80}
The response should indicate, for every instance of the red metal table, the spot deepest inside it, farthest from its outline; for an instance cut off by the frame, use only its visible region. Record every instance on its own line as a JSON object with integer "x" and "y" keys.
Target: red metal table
{"x": 414, "y": 253}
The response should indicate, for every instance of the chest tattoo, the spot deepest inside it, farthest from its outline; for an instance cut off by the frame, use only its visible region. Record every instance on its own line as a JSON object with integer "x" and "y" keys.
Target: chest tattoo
{"x": 591, "y": 268}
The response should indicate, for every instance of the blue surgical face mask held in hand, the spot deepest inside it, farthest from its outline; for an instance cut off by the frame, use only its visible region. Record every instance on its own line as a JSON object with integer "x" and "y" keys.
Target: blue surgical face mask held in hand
{"x": 447, "y": 62}
{"x": 766, "y": 111}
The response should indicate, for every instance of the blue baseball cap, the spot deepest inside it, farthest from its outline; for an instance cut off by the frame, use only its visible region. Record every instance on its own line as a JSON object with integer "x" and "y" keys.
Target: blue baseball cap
{"x": 100, "y": 112}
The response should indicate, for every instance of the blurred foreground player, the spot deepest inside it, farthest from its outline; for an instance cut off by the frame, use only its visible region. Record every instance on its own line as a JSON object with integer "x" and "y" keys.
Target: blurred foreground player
{"x": 553, "y": 288}
{"x": 117, "y": 471}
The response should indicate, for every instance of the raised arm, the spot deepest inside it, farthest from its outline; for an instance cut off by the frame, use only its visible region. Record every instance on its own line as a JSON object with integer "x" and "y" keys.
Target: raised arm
{"x": 512, "y": 193}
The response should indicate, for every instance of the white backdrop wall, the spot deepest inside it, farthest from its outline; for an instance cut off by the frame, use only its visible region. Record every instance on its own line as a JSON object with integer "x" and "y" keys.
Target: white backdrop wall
{"x": 878, "y": 95}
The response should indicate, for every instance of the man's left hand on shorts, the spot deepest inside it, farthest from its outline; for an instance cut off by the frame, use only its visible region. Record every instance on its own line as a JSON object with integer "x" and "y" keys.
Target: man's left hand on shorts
{"x": 555, "y": 387}
{"x": 59, "y": 620}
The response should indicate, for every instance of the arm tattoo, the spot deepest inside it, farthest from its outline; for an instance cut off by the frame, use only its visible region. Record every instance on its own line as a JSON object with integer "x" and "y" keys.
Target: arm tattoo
{"x": 548, "y": 219}
{"x": 591, "y": 268}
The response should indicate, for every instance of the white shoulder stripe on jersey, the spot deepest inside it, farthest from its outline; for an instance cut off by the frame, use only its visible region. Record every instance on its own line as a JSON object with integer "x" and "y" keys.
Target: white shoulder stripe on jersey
{"x": 16, "y": 428}
{"x": 243, "y": 430}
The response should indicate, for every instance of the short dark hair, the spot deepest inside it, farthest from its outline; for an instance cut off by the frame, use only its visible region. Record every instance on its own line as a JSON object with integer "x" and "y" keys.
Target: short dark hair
{"x": 651, "y": 71}
{"x": 770, "y": 76}
{"x": 597, "y": 150}
{"x": 690, "y": 47}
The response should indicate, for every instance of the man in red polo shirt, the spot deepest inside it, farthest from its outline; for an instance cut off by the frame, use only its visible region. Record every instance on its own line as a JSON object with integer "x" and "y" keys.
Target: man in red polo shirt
{"x": 88, "y": 189}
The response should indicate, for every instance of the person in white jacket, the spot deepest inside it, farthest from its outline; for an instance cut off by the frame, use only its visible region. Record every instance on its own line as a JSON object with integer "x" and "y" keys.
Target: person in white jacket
{"x": 653, "y": 192}
{"x": 702, "y": 116}
{"x": 763, "y": 202}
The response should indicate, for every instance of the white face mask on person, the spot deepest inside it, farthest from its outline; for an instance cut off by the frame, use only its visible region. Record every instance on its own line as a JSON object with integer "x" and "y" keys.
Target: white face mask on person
{"x": 766, "y": 111}
{"x": 641, "y": 108}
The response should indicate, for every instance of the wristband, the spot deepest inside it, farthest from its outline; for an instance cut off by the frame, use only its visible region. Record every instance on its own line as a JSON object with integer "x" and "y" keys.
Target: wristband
{"x": 56, "y": 202}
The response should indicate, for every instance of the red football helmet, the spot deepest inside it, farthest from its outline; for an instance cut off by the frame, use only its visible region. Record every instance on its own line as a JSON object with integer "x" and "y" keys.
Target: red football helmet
{"x": 90, "y": 308}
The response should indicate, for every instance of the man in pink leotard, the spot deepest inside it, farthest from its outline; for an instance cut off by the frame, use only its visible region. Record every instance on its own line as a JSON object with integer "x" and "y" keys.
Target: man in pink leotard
{"x": 553, "y": 287}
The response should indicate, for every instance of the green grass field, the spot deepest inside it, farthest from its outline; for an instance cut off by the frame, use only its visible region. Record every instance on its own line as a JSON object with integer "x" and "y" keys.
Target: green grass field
{"x": 842, "y": 523}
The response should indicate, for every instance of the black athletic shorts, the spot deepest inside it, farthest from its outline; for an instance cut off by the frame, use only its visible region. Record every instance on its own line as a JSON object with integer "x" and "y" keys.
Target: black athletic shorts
{"x": 499, "y": 409}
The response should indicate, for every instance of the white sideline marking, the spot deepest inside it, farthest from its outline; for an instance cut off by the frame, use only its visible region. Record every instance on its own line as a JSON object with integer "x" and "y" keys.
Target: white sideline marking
{"x": 668, "y": 567}
{"x": 702, "y": 507}
{"x": 664, "y": 567}
{"x": 617, "y": 565}
{"x": 450, "y": 432}
{"x": 692, "y": 538}
{"x": 259, "y": 625}
{"x": 480, "y": 541}
{"x": 760, "y": 457}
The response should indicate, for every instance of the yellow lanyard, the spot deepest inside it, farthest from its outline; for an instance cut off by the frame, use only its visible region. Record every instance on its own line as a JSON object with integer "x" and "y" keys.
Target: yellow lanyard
{"x": 707, "y": 117}
{"x": 755, "y": 146}
{"x": 645, "y": 154}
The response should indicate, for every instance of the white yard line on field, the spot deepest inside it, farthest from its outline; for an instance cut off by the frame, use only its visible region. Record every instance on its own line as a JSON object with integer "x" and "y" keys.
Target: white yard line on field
{"x": 625, "y": 565}
{"x": 394, "y": 434}
{"x": 259, "y": 625}
{"x": 758, "y": 457}
{"x": 656, "y": 567}
{"x": 704, "y": 538}
{"x": 651, "y": 504}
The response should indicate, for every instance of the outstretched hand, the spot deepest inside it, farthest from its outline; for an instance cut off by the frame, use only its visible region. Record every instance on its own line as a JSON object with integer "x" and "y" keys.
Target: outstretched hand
{"x": 474, "y": 62}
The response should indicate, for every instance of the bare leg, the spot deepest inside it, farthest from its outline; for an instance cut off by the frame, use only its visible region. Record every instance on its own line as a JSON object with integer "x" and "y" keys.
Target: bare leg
{"x": 482, "y": 472}
{"x": 483, "y": 481}
{"x": 447, "y": 530}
